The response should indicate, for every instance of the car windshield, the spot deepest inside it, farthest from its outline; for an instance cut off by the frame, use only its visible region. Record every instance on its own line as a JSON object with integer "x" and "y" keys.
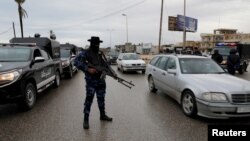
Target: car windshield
{"x": 199, "y": 66}
{"x": 113, "y": 54}
{"x": 13, "y": 54}
{"x": 131, "y": 57}
{"x": 65, "y": 53}
{"x": 223, "y": 50}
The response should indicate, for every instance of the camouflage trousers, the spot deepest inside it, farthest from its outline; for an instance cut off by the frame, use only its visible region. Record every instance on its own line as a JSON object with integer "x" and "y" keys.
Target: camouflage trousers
{"x": 92, "y": 87}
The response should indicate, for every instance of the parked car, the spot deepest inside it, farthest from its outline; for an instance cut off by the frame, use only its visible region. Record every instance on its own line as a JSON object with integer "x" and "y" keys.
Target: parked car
{"x": 67, "y": 60}
{"x": 200, "y": 86}
{"x": 112, "y": 57}
{"x": 130, "y": 62}
{"x": 26, "y": 70}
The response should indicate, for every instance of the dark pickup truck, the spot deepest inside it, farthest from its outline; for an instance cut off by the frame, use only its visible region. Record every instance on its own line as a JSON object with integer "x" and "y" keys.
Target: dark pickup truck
{"x": 25, "y": 70}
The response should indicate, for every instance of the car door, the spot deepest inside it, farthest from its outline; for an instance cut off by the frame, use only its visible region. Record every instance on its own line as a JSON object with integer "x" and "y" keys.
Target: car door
{"x": 38, "y": 68}
{"x": 170, "y": 80}
{"x": 160, "y": 73}
{"x": 49, "y": 69}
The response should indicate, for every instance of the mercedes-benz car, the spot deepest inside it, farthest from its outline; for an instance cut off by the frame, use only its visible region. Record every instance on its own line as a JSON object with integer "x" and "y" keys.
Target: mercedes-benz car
{"x": 200, "y": 85}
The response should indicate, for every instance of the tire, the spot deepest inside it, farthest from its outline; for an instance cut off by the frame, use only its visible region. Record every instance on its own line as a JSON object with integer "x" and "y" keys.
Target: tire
{"x": 122, "y": 69}
{"x": 151, "y": 85}
{"x": 57, "y": 80}
{"x": 70, "y": 73}
{"x": 143, "y": 71}
{"x": 241, "y": 70}
{"x": 118, "y": 68}
{"x": 188, "y": 104}
{"x": 29, "y": 92}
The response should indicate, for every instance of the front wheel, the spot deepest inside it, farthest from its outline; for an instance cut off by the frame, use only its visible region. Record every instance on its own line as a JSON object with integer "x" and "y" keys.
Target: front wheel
{"x": 70, "y": 73}
{"x": 57, "y": 80}
{"x": 241, "y": 70}
{"x": 29, "y": 96}
{"x": 151, "y": 85}
{"x": 188, "y": 104}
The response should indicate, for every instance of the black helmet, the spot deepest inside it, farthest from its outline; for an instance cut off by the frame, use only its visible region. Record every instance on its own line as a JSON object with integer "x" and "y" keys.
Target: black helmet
{"x": 233, "y": 51}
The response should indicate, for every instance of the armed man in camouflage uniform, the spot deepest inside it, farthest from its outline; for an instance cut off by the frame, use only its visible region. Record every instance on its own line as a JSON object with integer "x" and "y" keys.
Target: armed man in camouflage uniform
{"x": 86, "y": 61}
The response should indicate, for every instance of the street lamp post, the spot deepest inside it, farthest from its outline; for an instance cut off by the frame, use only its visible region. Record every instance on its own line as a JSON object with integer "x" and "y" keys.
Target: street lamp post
{"x": 110, "y": 42}
{"x": 184, "y": 28}
{"x": 126, "y": 25}
{"x": 162, "y": 2}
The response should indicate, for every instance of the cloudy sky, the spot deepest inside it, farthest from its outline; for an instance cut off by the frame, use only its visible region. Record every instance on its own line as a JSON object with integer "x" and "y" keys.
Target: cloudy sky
{"x": 75, "y": 21}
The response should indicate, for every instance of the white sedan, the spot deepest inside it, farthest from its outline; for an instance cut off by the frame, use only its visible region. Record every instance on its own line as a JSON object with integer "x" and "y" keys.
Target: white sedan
{"x": 200, "y": 85}
{"x": 130, "y": 62}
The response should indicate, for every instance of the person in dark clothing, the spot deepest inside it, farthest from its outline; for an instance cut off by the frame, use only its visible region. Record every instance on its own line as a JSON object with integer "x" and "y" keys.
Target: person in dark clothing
{"x": 217, "y": 57}
{"x": 233, "y": 61}
{"x": 86, "y": 61}
{"x": 197, "y": 52}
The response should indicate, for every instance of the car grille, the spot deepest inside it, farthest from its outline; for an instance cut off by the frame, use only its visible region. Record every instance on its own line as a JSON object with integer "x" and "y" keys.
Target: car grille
{"x": 136, "y": 64}
{"x": 241, "y": 98}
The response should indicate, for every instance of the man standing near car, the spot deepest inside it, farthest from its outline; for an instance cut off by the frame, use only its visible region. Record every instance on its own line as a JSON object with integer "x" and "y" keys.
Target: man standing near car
{"x": 233, "y": 61}
{"x": 86, "y": 61}
{"x": 217, "y": 57}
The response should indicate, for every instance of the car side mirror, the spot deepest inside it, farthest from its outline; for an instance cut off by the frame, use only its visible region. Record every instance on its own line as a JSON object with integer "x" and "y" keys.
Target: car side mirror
{"x": 172, "y": 71}
{"x": 39, "y": 59}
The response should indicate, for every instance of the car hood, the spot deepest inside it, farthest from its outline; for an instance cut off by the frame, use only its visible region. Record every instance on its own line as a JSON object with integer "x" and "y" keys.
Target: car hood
{"x": 7, "y": 66}
{"x": 133, "y": 62}
{"x": 65, "y": 58}
{"x": 218, "y": 82}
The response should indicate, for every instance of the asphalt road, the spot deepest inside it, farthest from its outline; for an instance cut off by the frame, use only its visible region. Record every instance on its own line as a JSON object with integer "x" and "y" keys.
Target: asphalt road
{"x": 138, "y": 115}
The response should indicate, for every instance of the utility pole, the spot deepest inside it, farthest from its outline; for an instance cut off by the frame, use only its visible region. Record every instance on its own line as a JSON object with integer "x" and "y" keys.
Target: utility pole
{"x": 110, "y": 41}
{"x": 14, "y": 29}
{"x": 162, "y": 2}
{"x": 126, "y": 25}
{"x": 184, "y": 28}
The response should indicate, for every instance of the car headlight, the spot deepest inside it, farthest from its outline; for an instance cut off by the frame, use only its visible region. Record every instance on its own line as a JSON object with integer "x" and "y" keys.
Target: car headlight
{"x": 215, "y": 97}
{"x": 65, "y": 62}
{"x": 224, "y": 62}
{"x": 10, "y": 76}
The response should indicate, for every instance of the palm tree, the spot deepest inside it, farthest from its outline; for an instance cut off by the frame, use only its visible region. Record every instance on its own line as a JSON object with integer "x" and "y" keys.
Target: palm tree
{"x": 22, "y": 13}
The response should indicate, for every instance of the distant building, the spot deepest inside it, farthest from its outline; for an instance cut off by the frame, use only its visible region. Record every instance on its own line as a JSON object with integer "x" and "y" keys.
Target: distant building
{"x": 128, "y": 47}
{"x": 223, "y": 35}
{"x": 144, "y": 48}
{"x": 189, "y": 44}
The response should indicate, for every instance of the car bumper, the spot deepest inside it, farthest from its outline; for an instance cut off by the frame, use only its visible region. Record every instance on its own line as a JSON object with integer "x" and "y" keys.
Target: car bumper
{"x": 222, "y": 110}
{"x": 112, "y": 61}
{"x": 10, "y": 92}
{"x": 134, "y": 68}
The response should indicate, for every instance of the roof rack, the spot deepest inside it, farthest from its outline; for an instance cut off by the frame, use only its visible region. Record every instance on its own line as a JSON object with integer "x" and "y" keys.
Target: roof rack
{"x": 19, "y": 44}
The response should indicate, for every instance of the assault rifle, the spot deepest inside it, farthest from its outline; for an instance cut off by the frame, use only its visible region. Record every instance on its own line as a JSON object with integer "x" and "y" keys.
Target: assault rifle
{"x": 107, "y": 70}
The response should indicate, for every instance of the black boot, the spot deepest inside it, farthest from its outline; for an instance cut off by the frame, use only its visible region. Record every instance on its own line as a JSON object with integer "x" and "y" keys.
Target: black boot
{"x": 104, "y": 117}
{"x": 86, "y": 122}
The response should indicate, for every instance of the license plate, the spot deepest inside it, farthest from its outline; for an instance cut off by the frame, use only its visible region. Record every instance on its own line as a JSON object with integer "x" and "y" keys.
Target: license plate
{"x": 243, "y": 110}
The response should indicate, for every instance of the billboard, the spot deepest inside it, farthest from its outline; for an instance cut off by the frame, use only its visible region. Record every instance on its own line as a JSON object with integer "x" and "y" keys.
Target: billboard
{"x": 172, "y": 22}
{"x": 191, "y": 23}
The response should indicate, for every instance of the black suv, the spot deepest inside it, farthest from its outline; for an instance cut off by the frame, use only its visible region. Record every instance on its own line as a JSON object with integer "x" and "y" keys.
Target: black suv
{"x": 67, "y": 60}
{"x": 68, "y": 54}
{"x": 25, "y": 70}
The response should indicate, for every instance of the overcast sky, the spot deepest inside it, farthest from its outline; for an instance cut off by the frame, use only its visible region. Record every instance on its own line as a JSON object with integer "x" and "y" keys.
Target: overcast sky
{"x": 75, "y": 21}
